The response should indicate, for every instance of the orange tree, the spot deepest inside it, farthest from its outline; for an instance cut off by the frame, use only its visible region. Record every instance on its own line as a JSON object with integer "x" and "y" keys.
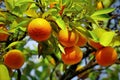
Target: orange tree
{"x": 87, "y": 47}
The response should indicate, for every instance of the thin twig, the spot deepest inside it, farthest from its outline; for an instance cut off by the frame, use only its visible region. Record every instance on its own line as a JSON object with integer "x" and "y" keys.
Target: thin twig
{"x": 19, "y": 74}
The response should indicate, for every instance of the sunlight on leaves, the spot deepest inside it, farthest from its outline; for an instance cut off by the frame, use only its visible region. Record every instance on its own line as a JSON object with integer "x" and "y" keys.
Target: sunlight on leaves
{"x": 106, "y": 38}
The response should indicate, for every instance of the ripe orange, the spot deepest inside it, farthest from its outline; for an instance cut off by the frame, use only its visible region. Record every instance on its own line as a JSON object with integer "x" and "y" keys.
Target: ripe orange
{"x": 3, "y": 36}
{"x": 82, "y": 40}
{"x": 67, "y": 38}
{"x": 94, "y": 44}
{"x": 72, "y": 55}
{"x": 39, "y": 29}
{"x": 14, "y": 59}
{"x": 106, "y": 56}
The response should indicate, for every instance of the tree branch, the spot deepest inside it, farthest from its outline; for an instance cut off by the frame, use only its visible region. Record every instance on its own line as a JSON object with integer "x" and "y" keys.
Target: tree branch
{"x": 70, "y": 73}
{"x": 19, "y": 74}
{"x": 89, "y": 66}
{"x": 39, "y": 4}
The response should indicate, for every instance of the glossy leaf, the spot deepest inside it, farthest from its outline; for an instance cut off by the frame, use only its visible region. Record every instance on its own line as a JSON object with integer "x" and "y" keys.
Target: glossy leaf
{"x": 115, "y": 41}
{"x": 13, "y": 44}
{"x": 106, "y": 38}
{"x": 10, "y": 4}
{"x": 31, "y": 13}
{"x": 2, "y": 19}
{"x": 4, "y": 75}
{"x": 50, "y": 12}
{"x": 60, "y": 22}
{"x": 99, "y": 32}
{"x": 21, "y": 2}
{"x": 101, "y": 17}
{"x": 103, "y": 11}
{"x": 83, "y": 30}
{"x": 14, "y": 24}
{"x": 93, "y": 36}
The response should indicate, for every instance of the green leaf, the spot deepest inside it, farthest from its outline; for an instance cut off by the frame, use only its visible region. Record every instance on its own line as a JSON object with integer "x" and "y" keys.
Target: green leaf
{"x": 101, "y": 17}
{"x": 60, "y": 22}
{"x": 10, "y": 4}
{"x": 13, "y": 44}
{"x": 107, "y": 3}
{"x": 99, "y": 32}
{"x": 61, "y": 48}
{"x": 93, "y": 36}
{"x": 83, "y": 30}
{"x": 3, "y": 69}
{"x": 2, "y": 14}
{"x": 31, "y": 13}
{"x": 17, "y": 11}
{"x": 10, "y": 17}
{"x": 14, "y": 24}
{"x": 22, "y": 23}
{"x": 21, "y": 2}
{"x": 106, "y": 38}
{"x": 103, "y": 11}
{"x": 2, "y": 19}
{"x": 22, "y": 28}
{"x": 24, "y": 77}
{"x": 50, "y": 12}
{"x": 68, "y": 3}
{"x": 115, "y": 41}
{"x": 21, "y": 6}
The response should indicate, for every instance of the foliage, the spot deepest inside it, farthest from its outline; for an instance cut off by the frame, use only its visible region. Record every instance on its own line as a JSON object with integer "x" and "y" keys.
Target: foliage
{"x": 43, "y": 60}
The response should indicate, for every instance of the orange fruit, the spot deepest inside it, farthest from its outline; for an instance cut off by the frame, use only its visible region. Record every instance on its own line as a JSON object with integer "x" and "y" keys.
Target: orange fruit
{"x": 94, "y": 44}
{"x": 3, "y": 33}
{"x": 67, "y": 38}
{"x": 72, "y": 55}
{"x": 82, "y": 40}
{"x": 106, "y": 56}
{"x": 14, "y": 59}
{"x": 39, "y": 29}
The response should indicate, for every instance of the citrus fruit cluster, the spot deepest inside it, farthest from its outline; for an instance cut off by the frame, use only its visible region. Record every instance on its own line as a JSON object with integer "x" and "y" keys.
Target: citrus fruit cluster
{"x": 71, "y": 41}
{"x": 40, "y": 29}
